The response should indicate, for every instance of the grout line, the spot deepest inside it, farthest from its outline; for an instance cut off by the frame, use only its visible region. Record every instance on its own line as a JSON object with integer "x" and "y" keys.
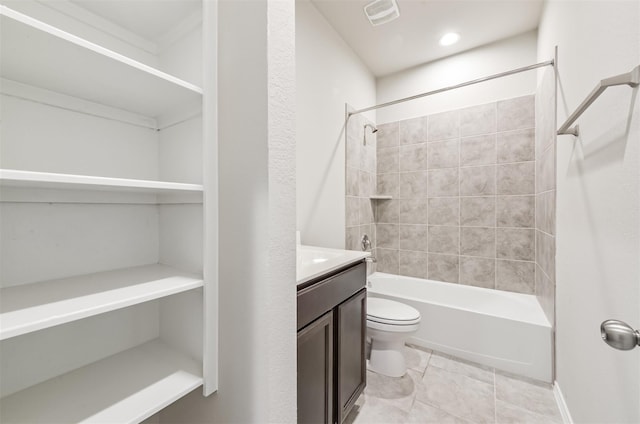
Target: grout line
{"x": 397, "y": 270}
{"x": 494, "y": 133}
{"x": 460, "y": 166}
{"x": 459, "y": 201}
{"x": 499, "y": 163}
{"x": 455, "y": 255}
{"x": 551, "y": 190}
{"x": 545, "y": 233}
{"x": 445, "y": 411}
{"x": 495, "y": 398}
{"x": 544, "y": 273}
{"x": 428, "y": 214}
{"x": 398, "y": 231}
{"x": 475, "y": 226}
{"x": 495, "y": 210}
{"x": 500, "y": 195}
{"x": 535, "y": 203}
{"x": 515, "y": 260}
{"x": 455, "y": 359}
{"x": 424, "y": 372}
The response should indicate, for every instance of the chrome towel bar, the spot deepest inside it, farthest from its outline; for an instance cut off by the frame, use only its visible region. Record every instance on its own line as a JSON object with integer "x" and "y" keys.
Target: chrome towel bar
{"x": 632, "y": 79}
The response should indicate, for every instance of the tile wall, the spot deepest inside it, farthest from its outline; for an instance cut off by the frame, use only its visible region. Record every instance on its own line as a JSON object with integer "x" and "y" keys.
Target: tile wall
{"x": 463, "y": 186}
{"x": 546, "y": 192}
{"x": 360, "y": 182}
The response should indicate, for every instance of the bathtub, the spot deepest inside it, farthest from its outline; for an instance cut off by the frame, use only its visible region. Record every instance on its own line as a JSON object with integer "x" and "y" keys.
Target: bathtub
{"x": 504, "y": 330}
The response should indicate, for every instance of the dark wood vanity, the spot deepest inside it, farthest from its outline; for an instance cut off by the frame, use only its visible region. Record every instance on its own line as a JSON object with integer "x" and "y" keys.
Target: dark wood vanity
{"x": 332, "y": 324}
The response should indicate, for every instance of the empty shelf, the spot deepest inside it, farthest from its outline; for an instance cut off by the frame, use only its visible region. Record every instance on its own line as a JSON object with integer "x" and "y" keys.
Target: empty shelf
{"x": 124, "y": 388}
{"x": 49, "y": 180}
{"x": 32, "y": 307}
{"x": 380, "y": 197}
{"x": 41, "y": 55}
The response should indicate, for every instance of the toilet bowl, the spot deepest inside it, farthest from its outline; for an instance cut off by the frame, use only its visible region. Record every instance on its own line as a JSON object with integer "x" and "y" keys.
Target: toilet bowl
{"x": 389, "y": 325}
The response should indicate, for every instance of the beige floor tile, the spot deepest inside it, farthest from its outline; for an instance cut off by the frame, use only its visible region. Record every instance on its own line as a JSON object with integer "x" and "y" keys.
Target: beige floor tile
{"x": 459, "y": 366}
{"x": 426, "y": 414}
{"x": 457, "y": 394}
{"x": 537, "y": 398}
{"x": 417, "y": 359}
{"x": 511, "y": 414}
{"x": 398, "y": 392}
{"x": 451, "y": 390}
{"x": 371, "y": 411}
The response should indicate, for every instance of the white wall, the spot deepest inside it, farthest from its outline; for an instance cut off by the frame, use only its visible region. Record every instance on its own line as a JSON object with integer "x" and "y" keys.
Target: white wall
{"x": 493, "y": 58}
{"x": 257, "y": 288}
{"x": 329, "y": 74}
{"x": 598, "y": 206}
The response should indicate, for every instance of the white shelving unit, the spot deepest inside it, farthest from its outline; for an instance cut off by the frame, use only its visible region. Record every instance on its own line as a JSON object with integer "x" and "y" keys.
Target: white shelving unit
{"x": 32, "y": 307}
{"x": 80, "y": 68}
{"x": 49, "y": 180}
{"x": 108, "y": 174}
{"x": 124, "y": 388}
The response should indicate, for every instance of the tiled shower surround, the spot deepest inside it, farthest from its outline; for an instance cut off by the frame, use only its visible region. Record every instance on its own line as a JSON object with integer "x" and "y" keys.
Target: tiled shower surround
{"x": 463, "y": 188}
{"x": 546, "y": 192}
{"x": 360, "y": 182}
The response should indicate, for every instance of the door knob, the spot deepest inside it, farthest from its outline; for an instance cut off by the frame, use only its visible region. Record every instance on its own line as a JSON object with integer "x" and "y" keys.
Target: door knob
{"x": 619, "y": 335}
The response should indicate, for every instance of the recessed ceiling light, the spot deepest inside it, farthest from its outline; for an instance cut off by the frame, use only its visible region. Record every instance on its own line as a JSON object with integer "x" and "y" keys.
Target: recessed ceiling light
{"x": 449, "y": 38}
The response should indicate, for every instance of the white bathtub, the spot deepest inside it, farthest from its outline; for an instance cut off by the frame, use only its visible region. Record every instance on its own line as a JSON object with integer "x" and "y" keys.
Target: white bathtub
{"x": 508, "y": 331}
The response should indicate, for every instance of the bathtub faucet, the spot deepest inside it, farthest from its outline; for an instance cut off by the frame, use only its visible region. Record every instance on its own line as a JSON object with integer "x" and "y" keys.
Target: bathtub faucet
{"x": 366, "y": 245}
{"x": 365, "y": 242}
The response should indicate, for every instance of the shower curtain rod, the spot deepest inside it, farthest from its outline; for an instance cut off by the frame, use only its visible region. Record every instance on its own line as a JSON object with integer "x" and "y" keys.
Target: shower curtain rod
{"x": 452, "y": 87}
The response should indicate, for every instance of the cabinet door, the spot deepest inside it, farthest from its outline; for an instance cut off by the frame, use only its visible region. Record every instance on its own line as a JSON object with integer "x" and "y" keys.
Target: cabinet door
{"x": 352, "y": 369}
{"x": 315, "y": 371}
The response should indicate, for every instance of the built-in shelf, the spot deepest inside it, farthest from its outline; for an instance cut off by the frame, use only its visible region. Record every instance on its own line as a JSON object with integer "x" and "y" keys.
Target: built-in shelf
{"x": 125, "y": 388}
{"x": 38, "y": 54}
{"x": 36, "y": 306}
{"x": 380, "y": 197}
{"x": 48, "y": 180}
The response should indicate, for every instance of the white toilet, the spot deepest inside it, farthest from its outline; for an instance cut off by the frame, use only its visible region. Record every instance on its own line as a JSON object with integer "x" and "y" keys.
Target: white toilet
{"x": 389, "y": 325}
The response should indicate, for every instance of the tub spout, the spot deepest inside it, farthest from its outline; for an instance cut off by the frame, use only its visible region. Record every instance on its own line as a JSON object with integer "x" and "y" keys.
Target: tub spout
{"x": 365, "y": 242}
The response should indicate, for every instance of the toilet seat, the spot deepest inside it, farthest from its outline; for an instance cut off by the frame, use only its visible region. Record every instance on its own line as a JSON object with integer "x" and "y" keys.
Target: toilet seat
{"x": 390, "y": 313}
{"x": 392, "y": 328}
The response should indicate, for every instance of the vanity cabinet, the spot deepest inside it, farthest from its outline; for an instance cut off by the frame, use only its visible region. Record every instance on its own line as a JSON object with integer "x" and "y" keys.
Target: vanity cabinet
{"x": 315, "y": 371}
{"x": 331, "y": 344}
{"x": 352, "y": 369}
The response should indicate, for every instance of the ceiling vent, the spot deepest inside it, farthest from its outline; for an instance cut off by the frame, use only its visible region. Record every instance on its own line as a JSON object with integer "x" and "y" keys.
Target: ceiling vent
{"x": 381, "y": 11}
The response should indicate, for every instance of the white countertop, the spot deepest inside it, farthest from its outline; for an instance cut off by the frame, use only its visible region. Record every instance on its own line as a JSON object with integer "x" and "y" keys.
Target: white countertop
{"x": 313, "y": 262}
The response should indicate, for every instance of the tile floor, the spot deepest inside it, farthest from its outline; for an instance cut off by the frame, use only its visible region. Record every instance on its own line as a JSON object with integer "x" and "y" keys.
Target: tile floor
{"x": 442, "y": 389}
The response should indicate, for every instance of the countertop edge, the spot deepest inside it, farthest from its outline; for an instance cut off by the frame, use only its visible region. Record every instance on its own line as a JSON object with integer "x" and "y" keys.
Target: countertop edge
{"x": 351, "y": 256}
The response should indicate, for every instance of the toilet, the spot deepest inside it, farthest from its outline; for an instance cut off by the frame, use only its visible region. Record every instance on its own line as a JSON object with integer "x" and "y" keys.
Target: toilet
{"x": 389, "y": 325}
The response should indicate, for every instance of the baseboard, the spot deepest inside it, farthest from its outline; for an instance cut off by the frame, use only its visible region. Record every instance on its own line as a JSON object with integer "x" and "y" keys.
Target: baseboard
{"x": 562, "y": 405}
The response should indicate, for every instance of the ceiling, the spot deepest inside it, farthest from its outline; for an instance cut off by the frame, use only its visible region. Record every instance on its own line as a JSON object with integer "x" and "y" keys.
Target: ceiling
{"x": 143, "y": 17}
{"x": 413, "y": 38}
